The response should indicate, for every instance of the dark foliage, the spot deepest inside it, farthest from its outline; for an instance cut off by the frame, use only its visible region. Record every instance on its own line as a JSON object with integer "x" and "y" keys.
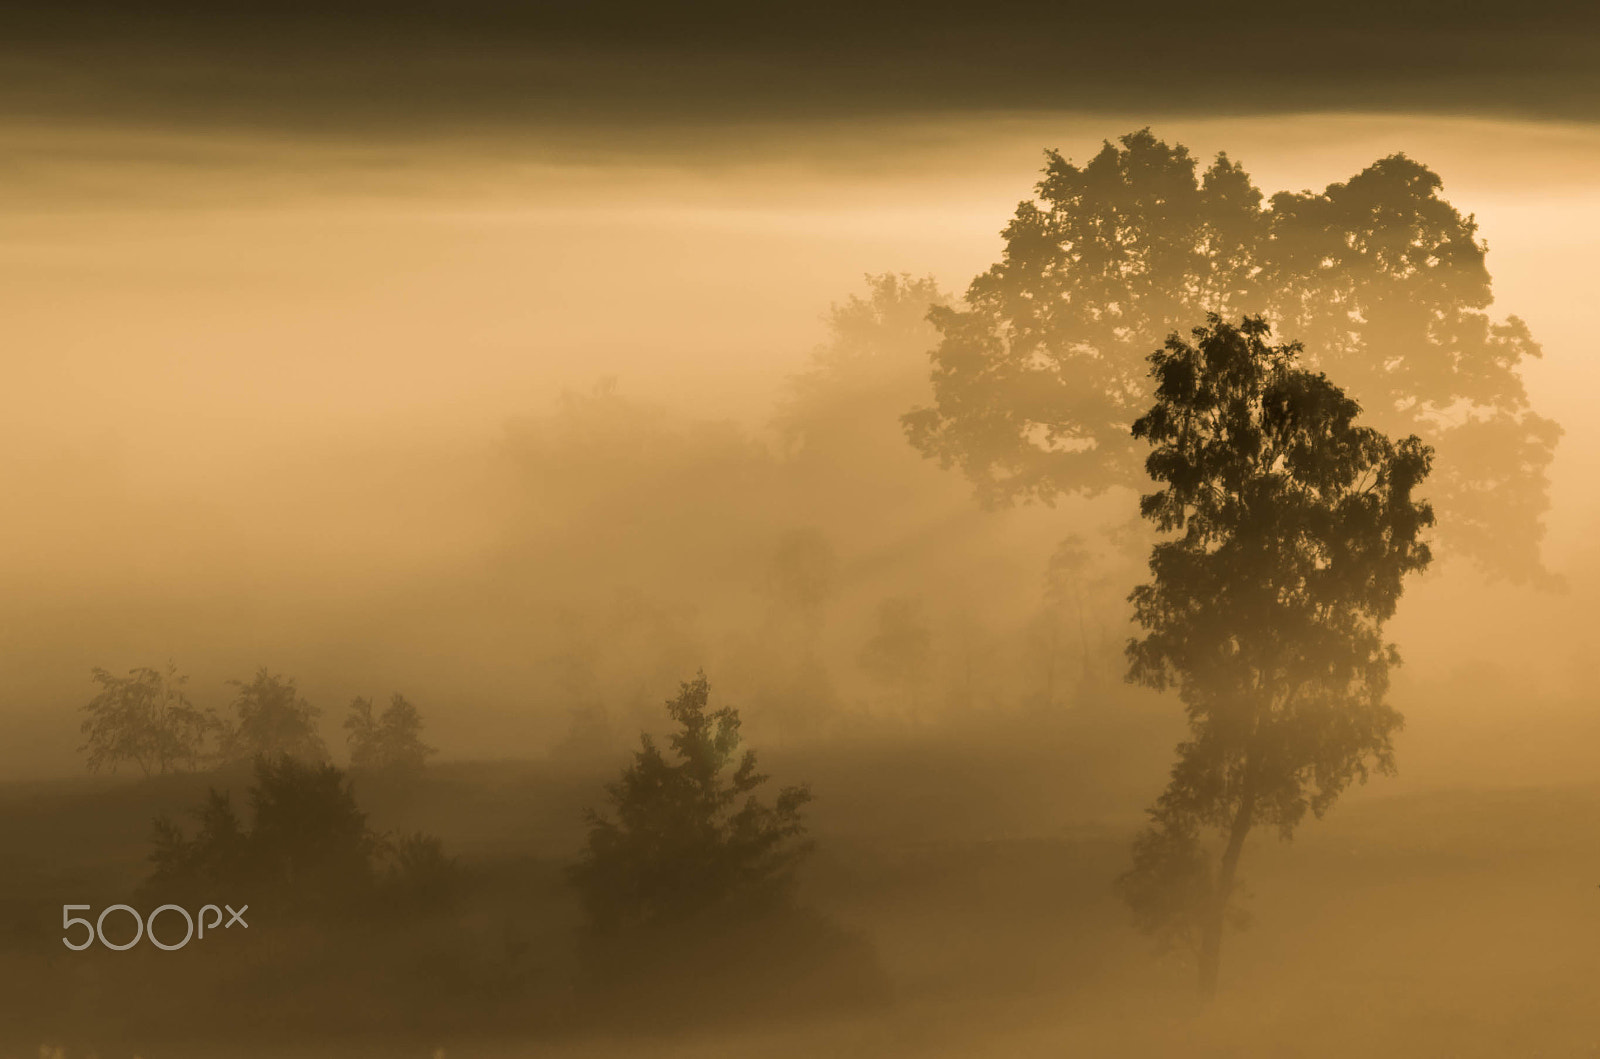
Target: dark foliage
{"x": 1290, "y": 531}
{"x": 307, "y": 852}
{"x": 690, "y": 836}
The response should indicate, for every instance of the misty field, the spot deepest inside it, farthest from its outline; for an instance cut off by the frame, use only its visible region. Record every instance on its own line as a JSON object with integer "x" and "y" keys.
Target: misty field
{"x": 1450, "y": 922}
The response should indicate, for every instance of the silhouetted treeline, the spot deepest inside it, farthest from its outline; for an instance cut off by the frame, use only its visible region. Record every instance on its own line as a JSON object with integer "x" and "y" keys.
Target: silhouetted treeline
{"x": 147, "y": 719}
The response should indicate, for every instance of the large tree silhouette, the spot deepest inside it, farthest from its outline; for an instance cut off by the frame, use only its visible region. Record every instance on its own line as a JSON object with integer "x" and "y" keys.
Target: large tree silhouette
{"x": 1290, "y": 529}
{"x": 1038, "y": 378}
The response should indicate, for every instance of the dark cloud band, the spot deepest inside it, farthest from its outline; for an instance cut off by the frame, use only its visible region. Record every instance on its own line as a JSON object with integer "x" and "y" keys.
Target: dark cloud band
{"x": 421, "y": 66}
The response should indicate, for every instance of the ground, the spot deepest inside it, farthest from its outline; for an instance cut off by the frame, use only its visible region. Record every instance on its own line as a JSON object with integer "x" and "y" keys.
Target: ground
{"x": 1449, "y": 922}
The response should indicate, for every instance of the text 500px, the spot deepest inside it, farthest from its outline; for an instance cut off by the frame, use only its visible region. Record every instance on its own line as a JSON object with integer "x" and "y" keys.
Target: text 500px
{"x": 145, "y": 926}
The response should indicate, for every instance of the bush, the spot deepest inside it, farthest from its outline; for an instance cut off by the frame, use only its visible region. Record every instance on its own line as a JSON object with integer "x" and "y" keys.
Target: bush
{"x": 307, "y": 852}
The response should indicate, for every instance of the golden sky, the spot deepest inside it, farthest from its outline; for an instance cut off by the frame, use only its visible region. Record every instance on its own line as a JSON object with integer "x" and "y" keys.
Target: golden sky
{"x": 248, "y": 367}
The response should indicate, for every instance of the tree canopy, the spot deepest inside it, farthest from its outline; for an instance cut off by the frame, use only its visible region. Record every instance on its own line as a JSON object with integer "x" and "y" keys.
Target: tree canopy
{"x": 144, "y": 718}
{"x": 1039, "y": 376}
{"x": 272, "y": 718}
{"x": 1289, "y": 531}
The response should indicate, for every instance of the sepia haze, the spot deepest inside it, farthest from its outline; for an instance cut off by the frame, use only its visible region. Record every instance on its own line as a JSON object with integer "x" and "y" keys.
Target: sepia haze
{"x": 271, "y": 382}
{"x": 531, "y": 419}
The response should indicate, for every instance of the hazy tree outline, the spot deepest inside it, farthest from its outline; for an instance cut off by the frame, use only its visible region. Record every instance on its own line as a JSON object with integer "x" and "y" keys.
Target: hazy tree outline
{"x": 389, "y": 743}
{"x": 144, "y": 718}
{"x": 860, "y": 359}
{"x": 896, "y": 653}
{"x": 272, "y": 718}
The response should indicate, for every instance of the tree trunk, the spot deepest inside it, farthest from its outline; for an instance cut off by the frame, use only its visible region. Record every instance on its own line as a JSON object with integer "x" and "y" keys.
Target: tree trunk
{"x": 1216, "y": 917}
{"x": 1052, "y": 654}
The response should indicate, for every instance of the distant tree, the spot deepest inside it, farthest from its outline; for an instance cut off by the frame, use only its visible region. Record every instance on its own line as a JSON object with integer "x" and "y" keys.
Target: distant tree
{"x": 363, "y": 733}
{"x": 390, "y": 743}
{"x": 896, "y": 655}
{"x": 874, "y": 361}
{"x": 1068, "y": 584}
{"x": 1038, "y": 378}
{"x": 144, "y": 718}
{"x": 1072, "y": 623}
{"x": 803, "y": 576}
{"x": 1294, "y": 529}
{"x": 271, "y": 719}
{"x": 690, "y": 835}
{"x": 308, "y": 850}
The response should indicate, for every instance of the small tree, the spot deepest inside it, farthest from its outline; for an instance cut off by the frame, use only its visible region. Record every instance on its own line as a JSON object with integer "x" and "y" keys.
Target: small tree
{"x": 1295, "y": 528}
{"x": 690, "y": 835}
{"x": 144, "y": 718}
{"x": 272, "y": 720}
{"x": 390, "y": 743}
